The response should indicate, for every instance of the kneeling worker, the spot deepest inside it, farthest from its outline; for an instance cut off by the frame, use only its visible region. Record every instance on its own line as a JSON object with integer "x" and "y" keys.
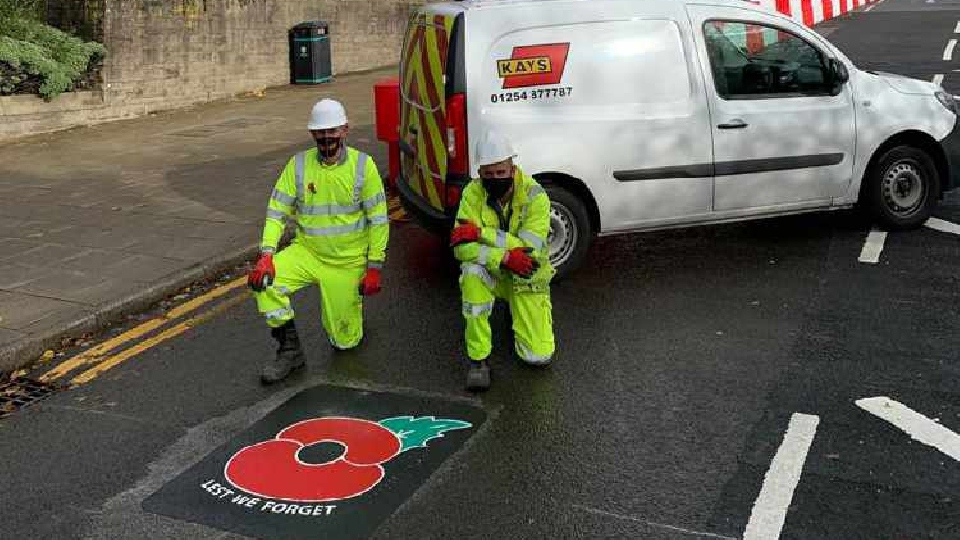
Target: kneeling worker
{"x": 501, "y": 241}
{"x": 341, "y": 241}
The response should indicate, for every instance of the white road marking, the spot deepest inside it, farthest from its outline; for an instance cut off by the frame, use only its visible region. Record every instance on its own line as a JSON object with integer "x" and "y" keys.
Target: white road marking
{"x": 943, "y": 226}
{"x": 770, "y": 508}
{"x": 652, "y": 524}
{"x": 957, "y": 29}
{"x": 870, "y": 8}
{"x": 872, "y": 247}
{"x": 938, "y": 79}
{"x": 948, "y": 52}
{"x": 917, "y": 426}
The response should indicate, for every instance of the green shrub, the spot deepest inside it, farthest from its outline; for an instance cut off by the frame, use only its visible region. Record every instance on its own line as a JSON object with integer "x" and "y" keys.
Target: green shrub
{"x": 22, "y": 9}
{"x": 34, "y": 52}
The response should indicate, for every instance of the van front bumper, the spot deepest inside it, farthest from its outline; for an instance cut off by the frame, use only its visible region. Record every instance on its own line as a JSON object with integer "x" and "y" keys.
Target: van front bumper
{"x": 428, "y": 216}
{"x": 951, "y": 149}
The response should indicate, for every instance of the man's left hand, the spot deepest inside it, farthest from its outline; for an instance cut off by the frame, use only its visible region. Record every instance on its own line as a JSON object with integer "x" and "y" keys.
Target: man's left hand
{"x": 370, "y": 284}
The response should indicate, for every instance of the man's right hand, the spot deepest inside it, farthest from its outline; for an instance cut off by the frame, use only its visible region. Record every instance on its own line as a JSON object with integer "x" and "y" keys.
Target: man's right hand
{"x": 263, "y": 268}
{"x": 467, "y": 231}
{"x": 519, "y": 261}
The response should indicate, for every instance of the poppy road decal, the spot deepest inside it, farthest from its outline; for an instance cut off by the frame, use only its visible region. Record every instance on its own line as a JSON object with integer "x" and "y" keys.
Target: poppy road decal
{"x": 331, "y": 462}
{"x": 533, "y": 65}
{"x": 272, "y": 469}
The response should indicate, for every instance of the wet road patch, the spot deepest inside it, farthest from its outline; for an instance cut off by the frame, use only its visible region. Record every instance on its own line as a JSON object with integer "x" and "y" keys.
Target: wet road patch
{"x": 331, "y": 462}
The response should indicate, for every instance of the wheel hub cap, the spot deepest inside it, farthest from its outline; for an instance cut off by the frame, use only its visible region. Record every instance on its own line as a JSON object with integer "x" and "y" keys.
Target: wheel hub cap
{"x": 903, "y": 188}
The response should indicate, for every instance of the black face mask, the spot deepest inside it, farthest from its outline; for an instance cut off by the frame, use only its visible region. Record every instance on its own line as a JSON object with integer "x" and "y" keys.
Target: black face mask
{"x": 329, "y": 147}
{"x": 497, "y": 187}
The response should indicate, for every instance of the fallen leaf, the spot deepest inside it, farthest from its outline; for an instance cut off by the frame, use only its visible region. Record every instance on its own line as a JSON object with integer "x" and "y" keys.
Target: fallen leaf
{"x": 48, "y": 354}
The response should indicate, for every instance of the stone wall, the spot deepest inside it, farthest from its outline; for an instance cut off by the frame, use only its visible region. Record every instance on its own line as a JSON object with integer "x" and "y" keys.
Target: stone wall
{"x": 165, "y": 54}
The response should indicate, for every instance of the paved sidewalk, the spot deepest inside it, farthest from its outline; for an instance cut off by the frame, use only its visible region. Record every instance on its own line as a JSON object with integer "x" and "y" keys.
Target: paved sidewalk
{"x": 100, "y": 222}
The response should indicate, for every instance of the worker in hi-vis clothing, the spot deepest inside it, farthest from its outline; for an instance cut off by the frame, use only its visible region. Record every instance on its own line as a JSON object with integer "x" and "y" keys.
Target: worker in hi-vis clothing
{"x": 336, "y": 196}
{"x": 501, "y": 241}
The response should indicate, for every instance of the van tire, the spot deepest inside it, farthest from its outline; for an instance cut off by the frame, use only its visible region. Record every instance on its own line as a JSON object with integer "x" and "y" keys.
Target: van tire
{"x": 569, "y": 216}
{"x": 902, "y": 188}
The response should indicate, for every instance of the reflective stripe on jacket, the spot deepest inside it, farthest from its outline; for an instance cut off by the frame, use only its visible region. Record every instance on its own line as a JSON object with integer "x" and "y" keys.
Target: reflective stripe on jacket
{"x": 340, "y": 209}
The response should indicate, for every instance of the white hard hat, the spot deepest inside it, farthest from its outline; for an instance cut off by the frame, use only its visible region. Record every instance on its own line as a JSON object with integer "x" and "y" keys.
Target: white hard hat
{"x": 494, "y": 148}
{"x": 327, "y": 114}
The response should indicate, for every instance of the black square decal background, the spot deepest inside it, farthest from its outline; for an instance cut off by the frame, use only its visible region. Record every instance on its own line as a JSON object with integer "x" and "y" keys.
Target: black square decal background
{"x": 187, "y": 499}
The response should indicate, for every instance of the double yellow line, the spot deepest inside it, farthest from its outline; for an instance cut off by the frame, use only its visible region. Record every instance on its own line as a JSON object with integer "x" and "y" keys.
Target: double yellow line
{"x": 97, "y": 360}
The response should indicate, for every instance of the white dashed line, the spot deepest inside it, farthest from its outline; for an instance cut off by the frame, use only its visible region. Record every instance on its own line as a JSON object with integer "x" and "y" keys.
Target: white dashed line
{"x": 957, "y": 29}
{"x": 938, "y": 79}
{"x": 917, "y": 426}
{"x": 770, "y": 509}
{"x": 948, "y": 52}
{"x": 873, "y": 247}
{"x": 943, "y": 226}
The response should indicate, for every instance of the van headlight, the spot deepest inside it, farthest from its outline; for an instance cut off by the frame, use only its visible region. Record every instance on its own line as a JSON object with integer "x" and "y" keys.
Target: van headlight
{"x": 947, "y": 100}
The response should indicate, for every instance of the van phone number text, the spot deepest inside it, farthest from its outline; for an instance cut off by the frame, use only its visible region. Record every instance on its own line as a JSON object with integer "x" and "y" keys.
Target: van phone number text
{"x": 527, "y": 95}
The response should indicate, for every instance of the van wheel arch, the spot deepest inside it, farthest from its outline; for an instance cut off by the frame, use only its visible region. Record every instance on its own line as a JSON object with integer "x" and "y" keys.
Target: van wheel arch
{"x": 917, "y": 139}
{"x": 577, "y": 187}
{"x": 913, "y": 148}
{"x": 574, "y": 220}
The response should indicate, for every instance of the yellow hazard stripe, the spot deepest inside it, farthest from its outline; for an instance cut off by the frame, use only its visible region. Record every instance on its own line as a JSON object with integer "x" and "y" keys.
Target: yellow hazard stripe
{"x": 428, "y": 135}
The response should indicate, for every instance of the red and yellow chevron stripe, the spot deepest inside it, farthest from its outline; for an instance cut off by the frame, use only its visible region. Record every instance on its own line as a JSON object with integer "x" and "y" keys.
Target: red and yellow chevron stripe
{"x": 424, "y": 107}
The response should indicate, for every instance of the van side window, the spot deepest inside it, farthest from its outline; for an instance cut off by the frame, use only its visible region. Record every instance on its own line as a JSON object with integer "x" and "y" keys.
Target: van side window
{"x": 755, "y": 61}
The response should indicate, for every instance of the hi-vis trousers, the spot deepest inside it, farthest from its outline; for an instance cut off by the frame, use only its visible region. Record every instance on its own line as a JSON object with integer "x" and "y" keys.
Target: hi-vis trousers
{"x": 341, "y": 303}
{"x": 531, "y": 312}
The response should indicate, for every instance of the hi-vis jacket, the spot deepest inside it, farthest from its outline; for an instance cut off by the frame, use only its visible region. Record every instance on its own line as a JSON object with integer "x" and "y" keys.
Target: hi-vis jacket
{"x": 341, "y": 209}
{"x": 527, "y": 225}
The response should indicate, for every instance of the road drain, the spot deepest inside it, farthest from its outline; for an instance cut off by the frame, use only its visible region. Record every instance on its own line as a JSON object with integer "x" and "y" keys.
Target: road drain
{"x": 19, "y": 393}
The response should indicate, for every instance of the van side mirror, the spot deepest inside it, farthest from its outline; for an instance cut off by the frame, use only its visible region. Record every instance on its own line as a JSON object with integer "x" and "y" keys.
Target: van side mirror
{"x": 838, "y": 72}
{"x": 837, "y": 75}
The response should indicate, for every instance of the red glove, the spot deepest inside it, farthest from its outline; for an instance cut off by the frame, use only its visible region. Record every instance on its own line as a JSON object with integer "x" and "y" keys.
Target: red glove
{"x": 466, "y": 232}
{"x": 370, "y": 284}
{"x": 263, "y": 269}
{"x": 519, "y": 262}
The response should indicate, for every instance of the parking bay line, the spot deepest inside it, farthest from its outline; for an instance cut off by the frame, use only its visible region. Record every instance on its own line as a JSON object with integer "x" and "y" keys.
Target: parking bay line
{"x": 123, "y": 356}
{"x": 98, "y": 352}
{"x": 770, "y": 509}
{"x": 873, "y": 246}
{"x": 948, "y": 51}
{"x": 917, "y": 426}
{"x": 943, "y": 226}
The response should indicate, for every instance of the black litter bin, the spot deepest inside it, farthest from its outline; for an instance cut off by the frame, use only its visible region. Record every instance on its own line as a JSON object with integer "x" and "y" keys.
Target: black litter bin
{"x": 310, "y": 53}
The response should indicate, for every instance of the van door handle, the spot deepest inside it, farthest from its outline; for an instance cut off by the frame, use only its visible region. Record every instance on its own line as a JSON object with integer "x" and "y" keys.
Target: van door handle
{"x": 736, "y": 123}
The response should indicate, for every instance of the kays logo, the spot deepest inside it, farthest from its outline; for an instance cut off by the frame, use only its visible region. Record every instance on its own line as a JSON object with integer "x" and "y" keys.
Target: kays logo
{"x": 534, "y": 65}
{"x": 273, "y": 469}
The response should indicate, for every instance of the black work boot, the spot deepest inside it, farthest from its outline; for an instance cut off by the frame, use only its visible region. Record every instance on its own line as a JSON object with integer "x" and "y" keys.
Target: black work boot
{"x": 289, "y": 354}
{"x": 478, "y": 377}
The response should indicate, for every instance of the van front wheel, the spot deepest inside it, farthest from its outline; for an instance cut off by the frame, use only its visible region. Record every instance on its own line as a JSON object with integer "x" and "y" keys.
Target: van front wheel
{"x": 902, "y": 188}
{"x": 570, "y": 234}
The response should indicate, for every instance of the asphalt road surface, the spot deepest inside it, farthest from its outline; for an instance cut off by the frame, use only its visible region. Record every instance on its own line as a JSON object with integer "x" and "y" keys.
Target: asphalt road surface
{"x": 754, "y": 381}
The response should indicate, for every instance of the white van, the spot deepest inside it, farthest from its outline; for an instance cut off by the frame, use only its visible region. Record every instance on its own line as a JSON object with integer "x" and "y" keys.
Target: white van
{"x": 648, "y": 114}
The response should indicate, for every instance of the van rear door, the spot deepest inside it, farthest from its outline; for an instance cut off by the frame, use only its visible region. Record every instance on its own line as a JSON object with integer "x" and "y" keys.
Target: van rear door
{"x": 427, "y": 80}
